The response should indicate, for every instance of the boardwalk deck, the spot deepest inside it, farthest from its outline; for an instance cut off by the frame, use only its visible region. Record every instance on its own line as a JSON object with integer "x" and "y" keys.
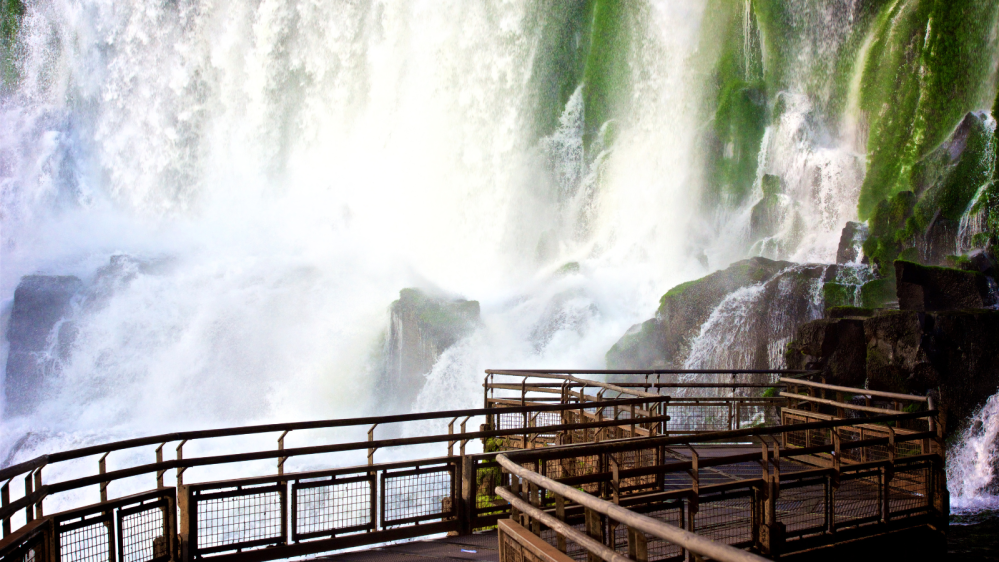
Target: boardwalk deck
{"x": 479, "y": 547}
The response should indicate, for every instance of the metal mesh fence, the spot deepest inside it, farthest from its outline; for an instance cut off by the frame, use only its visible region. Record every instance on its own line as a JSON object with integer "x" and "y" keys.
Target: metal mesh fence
{"x": 142, "y": 533}
{"x": 728, "y": 520}
{"x": 858, "y": 498}
{"x": 237, "y": 517}
{"x": 88, "y": 541}
{"x": 417, "y": 494}
{"x": 329, "y": 506}
{"x": 801, "y": 507}
{"x": 909, "y": 489}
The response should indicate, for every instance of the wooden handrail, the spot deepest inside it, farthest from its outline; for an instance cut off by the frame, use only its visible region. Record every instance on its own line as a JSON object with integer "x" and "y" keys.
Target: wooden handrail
{"x": 23, "y": 467}
{"x": 845, "y": 405}
{"x": 648, "y": 442}
{"x": 858, "y": 391}
{"x": 697, "y": 544}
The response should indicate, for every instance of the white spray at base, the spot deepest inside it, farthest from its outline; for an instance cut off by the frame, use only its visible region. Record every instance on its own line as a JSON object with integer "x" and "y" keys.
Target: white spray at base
{"x": 972, "y": 462}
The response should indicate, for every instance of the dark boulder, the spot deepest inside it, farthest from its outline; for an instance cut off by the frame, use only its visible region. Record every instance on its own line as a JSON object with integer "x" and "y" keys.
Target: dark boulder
{"x": 835, "y": 346}
{"x": 850, "y": 242}
{"x": 422, "y": 327}
{"x": 908, "y": 352}
{"x": 930, "y": 288}
{"x": 665, "y": 340}
{"x": 36, "y": 337}
{"x": 768, "y": 214}
{"x": 894, "y": 340}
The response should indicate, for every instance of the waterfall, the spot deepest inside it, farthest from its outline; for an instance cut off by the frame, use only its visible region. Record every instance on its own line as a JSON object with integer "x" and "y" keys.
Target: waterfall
{"x": 972, "y": 462}
{"x": 279, "y": 170}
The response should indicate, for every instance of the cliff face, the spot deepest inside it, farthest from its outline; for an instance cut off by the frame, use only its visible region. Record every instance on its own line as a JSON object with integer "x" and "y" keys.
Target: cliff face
{"x": 944, "y": 340}
{"x": 421, "y": 328}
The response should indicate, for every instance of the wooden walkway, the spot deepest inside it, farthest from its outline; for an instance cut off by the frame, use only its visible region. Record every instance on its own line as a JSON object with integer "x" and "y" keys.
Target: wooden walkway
{"x": 480, "y": 547}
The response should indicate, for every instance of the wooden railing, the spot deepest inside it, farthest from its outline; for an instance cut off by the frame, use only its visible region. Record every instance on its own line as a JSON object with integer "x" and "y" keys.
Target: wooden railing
{"x": 854, "y": 479}
{"x": 624, "y": 444}
{"x": 284, "y": 532}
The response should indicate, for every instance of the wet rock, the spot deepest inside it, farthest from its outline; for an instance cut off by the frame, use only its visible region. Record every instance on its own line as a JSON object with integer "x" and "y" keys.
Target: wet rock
{"x": 771, "y": 211}
{"x": 422, "y": 327}
{"x": 665, "y": 340}
{"x": 908, "y": 352}
{"x": 929, "y": 288}
{"x": 835, "y": 346}
{"x": 894, "y": 341}
{"x": 36, "y": 336}
{"x": 850, "y": 242}
{"x": 641, "y": 347}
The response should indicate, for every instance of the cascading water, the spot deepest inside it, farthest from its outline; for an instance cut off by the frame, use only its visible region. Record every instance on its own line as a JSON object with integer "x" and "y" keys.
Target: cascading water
{"x": 245, "y": 187}
{"x": 972, "y": 462}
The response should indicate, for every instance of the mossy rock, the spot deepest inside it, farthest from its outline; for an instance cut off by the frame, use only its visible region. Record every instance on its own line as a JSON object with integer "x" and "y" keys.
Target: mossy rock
{"x": 639, "y": 348}
{"x": 665, "y": 339}
{"x": 838, "y": 295}
{"x": 850, "y": 312}
{"x": 878, "y": 293}
{"x": 567, "y": 269}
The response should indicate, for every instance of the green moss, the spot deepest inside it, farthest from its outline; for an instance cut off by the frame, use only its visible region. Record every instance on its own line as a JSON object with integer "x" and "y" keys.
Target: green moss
{"x": 606, "y": 75}
{"x": 563, "y": 32}
{"x": 837, "y": 294}
{"x": 771, "y": 392}
{"x": 738, "y": 103}
{"x": 890, "y": 231}
{"x": 11, "y": 15}
{"x": 568, "y": 268}
{"x": 878, "y": 293}
{"x": 925, "y": 71}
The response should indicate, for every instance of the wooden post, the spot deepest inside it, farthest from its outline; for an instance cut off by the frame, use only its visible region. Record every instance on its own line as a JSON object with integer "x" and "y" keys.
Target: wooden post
{"x": 595, "y": 529}
{"x": 466, "y": 514}
{"x": 638, "y": 547}
{"x": 560, "y": 515}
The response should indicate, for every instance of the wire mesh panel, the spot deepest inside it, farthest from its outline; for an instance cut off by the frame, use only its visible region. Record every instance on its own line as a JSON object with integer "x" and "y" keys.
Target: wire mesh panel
{"x": 801, "y": 506}
{"x": 87, "y": 539}
{"x": 671, "y": 512}
{"x": 334, "y": 506}
{"x": 243, "y": 517}
{"x": 29, "y": 548}
{"x": 688, "y": 417}
{"x": 858, "y": 498}
{"x": 418, "y": 494}
{"x": 909, "y": 490}
{"x": 727, "y": 518}
{"x": 143, "y": 532}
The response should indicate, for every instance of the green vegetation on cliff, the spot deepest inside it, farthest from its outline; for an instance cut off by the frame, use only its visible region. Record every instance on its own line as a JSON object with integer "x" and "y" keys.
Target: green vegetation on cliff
{"x": 558, "y": 66}
{"x": 924, "y": 72}
{"x": 607, "y": 76}
{"x": 11, "y": 14}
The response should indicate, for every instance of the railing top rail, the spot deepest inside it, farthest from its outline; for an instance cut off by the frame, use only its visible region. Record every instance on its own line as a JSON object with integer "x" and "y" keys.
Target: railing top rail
{"x": 556, "y": 452}
{"x": 192, "y": 462}
{"x": 859, "y": 391}
{"x": 26, "y": 466}
{"x": 695, "y": 543}
{"x": 530, "y": 372}
{"x": 531, "y": 385}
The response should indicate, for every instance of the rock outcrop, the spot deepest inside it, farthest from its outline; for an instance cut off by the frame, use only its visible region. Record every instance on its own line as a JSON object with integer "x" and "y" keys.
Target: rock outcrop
{"x": 927, "y": 288}
{"x": 785, "y": 297}
{"x": 943, "y": 338}
{"x": 38, "y": 336}
{"x": 422, "y": 327}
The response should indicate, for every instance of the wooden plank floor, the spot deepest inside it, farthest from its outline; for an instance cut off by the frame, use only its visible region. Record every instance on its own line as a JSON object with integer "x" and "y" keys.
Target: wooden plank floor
{"x": 480, "y": 547}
